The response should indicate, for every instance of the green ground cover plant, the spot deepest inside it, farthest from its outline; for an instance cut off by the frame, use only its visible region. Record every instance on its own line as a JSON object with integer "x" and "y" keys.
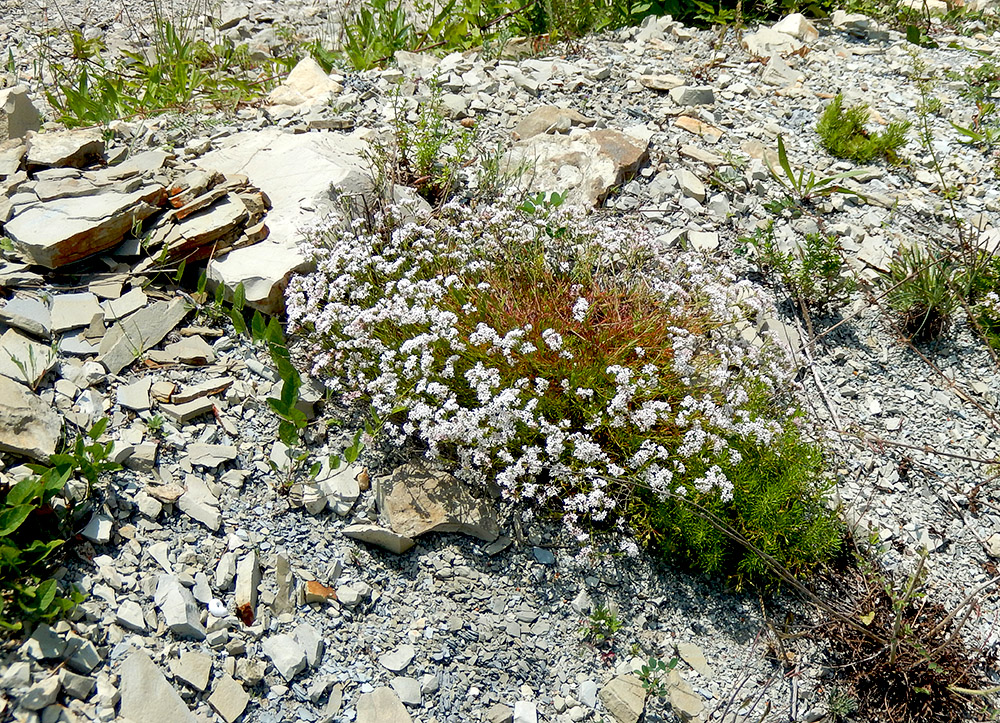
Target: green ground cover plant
{"x": 569, "y": 363}
{"x": 804, "y": 186}
{"x": 925, "y": 290}
{"x": 36, "y": 521}
{"x": 843, "y": 134}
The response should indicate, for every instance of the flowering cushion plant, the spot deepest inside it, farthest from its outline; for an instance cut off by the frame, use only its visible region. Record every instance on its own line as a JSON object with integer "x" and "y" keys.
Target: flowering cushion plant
{"x": 574, "y": 363}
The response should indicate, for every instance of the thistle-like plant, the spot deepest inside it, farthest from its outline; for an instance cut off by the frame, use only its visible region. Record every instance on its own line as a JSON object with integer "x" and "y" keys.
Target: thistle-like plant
{"x": 805, "y": 186}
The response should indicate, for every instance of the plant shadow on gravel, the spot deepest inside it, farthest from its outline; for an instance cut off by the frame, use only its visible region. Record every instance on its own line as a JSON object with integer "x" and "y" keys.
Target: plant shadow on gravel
{"x": 903, "y": 655}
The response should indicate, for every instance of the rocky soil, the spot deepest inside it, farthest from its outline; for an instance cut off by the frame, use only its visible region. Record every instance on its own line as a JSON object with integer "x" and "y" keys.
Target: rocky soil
{"x": 216, "y": 593}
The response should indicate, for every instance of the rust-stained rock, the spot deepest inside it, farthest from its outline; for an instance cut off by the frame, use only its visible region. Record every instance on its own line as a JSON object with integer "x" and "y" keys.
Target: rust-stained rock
{"x": 415, "y": 500}
{"x": 221, "y": 223}
{"x": 585, "y": 164}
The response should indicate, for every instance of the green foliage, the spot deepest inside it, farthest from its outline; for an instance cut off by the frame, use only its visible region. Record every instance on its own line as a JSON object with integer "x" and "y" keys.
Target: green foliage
{"x": 178, "y": 72}
{"x": 841, "y": 704}
{"x": 27, "y": 543}
{"x": 579, "y": 299}
{"x": 33, "y": 528}
{"x": 155, "y": 425}
{"x": 377, "y": 31}
{"x": 814, "y": 275}
{"x": 926, "y": 288}
{"x": 426, "y": 154}
{"x": 86, "y": 457}
{"x": 984, "y": 296}
{"x": 801, "y": 187}
{"x": 981, "y": 82}
{"x": 843, "y": 134}
{"x": 601, "y": 626}
{"x": 777, "y": 507}
{"x": 653, "y": 675}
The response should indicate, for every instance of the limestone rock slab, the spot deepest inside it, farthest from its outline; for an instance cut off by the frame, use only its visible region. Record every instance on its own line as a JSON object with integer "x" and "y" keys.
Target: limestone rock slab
{"x": 587, "y": 164}
{"x": 551, "y": 119}
{"x": 301, "y": 174}
{"x": 75, "y": 148}
{"x": 624, "y": 697}
{"x": 65, "y": 230}
{"x": 382, "y": 705}
{"x": 375, "y": 535}
{"x": 127, "y": 339}
{"x": 28, "y": 425}
{"x": 229, "y": 699}
{"x": 146, "y": 696}
{"x": 18, "y": 114}
{"x": 415, "y": 500}
{"x": 23, "y": 359}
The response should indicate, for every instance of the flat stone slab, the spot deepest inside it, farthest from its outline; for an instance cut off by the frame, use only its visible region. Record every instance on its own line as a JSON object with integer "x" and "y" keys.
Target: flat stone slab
{"x": 415, "y": 500}
{"x": 380, "y": 536}
{"x": 74, "y": 148}
{"x": 30, "y": 315}
{"x": 195, "y": 669}
{"x": 301, "y": 174}
{"x": 72, "y": 311}
{"x": 147, "y": 697}
{"x": 624, "y": 697}
{"x": 18, "y": 114}
{"x": 24, "y": 359}
{"x": 216, "y": 223}
{"x": 126, "y": 340}
{"x": 585, "y": 164}
{"x": 65, "y": 230}
{"x": 382, "y": 705}
{"x": 550, "y": 119}
{"x": 229, "y": 699}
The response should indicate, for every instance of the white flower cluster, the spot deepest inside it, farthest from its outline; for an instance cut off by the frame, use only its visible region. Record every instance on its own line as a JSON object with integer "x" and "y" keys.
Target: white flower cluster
{"x": 425, "y": 316}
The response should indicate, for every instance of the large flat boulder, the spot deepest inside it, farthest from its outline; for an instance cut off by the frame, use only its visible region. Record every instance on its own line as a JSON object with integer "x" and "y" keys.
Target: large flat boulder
{"x": 28, "y": 425}
{"x": 64, "y": 230}
{"x": 303, "y": 175}
{"x": 586, "y": 164}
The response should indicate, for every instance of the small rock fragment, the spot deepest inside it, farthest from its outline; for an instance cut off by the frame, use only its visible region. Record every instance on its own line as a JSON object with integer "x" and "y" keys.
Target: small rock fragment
{"x": 381, "y": 706}
{"x": 195, "y": 669}
{"x": 229, "y": 699}
{"x": 287, "y": 655}
{"x": 399, "y": 658}
{"x": 41, "y": 694}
